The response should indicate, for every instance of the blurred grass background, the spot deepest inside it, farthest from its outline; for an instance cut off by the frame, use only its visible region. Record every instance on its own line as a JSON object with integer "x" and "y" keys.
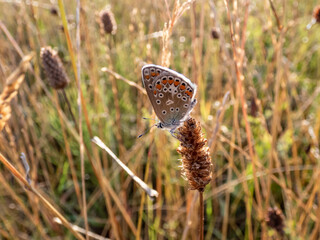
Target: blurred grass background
{"x": 280, "y": 65}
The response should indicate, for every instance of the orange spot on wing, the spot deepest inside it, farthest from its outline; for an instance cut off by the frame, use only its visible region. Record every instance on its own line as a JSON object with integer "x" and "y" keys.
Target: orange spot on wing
{"x": 189, "y": 93}
{"x": 170, "y": 82}
{"x": 157, "y": 74}
{"x": 182, "y": 87}
{"x": 147, "y": 76}
{"x": 176, "y": 83}
{"x": 158, "y": 86}
{"x": 153, "y": 74}
{"x": 154, "y": 92}
{"x": 164, "y": 81}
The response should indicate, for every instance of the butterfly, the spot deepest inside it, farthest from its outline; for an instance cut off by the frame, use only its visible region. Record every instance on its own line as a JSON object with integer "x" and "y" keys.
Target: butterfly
{"x": 171, "y": 94}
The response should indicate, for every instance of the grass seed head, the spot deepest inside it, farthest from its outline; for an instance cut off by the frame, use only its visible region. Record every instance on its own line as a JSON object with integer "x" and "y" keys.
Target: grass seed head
{"x": 53, "y": 68}
{"x": 196, "y": 160}
{"x": 275, "y": 220}
{"x": 215, "y": 33}
{"x": 107, "y": 22}
{"x": 54, "y": 11}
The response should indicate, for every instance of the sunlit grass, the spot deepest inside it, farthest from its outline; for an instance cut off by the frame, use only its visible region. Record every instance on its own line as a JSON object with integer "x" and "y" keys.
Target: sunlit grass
{"x": 280, "y": 88}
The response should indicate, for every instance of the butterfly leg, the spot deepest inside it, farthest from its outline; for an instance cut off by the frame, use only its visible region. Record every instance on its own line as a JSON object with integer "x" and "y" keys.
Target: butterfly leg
{"x": 174, "y": 133}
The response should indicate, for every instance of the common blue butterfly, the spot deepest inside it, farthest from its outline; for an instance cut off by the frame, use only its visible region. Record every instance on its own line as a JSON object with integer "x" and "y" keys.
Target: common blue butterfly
{"x": 171, "y": 94}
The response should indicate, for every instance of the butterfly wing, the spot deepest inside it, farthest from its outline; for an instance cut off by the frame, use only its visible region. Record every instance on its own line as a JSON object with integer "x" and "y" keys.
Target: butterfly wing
{"x": 171, "y": 94}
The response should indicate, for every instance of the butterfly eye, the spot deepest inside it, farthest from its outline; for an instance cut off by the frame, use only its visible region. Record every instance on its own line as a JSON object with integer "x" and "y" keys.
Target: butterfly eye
{"x": 165, "y": 89}
{"x": 170, "y": 78}
{"x": 164, "y": 78}
{"x": 183, "y": 84}
{"x": 158, "y": 71}
{"x": 186, "y": 105}
{"x": 184, "y": 98}
{"x": 161, "y": 95}
{"x": 158, "y": 82}
{"x": 172, "y": 109}
{"x": 179, "y": 95}
{"x": 152, "y": 69}
{"x": 164, "y": 112}
{"x": 158, "y": 101}
{"x": 150, "y": 86}
{"x": 177, "y": 109}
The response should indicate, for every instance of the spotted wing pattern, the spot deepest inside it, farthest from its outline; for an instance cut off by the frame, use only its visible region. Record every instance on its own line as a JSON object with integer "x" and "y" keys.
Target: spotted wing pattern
{"x": 171, "y": 94}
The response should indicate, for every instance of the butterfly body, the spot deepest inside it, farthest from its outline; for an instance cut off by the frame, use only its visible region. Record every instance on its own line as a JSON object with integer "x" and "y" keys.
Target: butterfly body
{"x": 171, "y": 94}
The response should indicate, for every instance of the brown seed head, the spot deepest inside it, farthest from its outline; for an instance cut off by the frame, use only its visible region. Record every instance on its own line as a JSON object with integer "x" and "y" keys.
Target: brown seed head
{"x": 53, "y": 68}
{"x": 196, "y": 160}
{"x": 54, "y": 11}
{"x": 275, "y": 220}
{"x": 215, "y": 33}
{"x": 107, "y": 22}
{"x": 316, "y": 13}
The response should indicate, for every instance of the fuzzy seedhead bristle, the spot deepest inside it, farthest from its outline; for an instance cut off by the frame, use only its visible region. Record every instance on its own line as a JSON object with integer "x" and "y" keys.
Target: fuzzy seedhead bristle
{"x": 196, "y": 160}
{"x": 316, "y": 14}
{"x": 275, "y": 220}
{"x": 53, "y": 68}
{"x": 107, "y": 22}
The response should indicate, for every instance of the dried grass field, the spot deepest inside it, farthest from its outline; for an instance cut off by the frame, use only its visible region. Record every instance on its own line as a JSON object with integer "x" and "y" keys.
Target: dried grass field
{"x": 245, "y": 165}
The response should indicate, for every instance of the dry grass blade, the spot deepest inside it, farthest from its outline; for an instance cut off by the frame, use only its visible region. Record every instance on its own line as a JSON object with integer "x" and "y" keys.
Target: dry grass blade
{"x": 11, "y": 88}
{"x": 276, "y": 15}
{"x": 83, "y": 231}
{"x": 119, "y": 77}
{"x": 151, "y": 192}
{"x": 216, "y": 129}
{"x": 177, "y": 12}
{"x": 48, "y": 205}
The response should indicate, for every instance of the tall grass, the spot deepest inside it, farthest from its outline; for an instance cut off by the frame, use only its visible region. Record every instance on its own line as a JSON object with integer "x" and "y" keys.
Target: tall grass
{"x": 265, "y": 152}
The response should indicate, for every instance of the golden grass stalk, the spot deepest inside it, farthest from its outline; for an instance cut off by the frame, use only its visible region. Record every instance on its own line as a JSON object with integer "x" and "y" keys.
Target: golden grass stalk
{"x": 78, "y": 43}
{"x": 241, "y": 95}
{"x": 11, "y": 88}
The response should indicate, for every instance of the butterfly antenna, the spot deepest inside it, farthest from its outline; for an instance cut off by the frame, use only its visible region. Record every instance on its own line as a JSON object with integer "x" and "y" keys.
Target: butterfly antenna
{"x": 149, "y": 119}
{"x": 148, "y": 129}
